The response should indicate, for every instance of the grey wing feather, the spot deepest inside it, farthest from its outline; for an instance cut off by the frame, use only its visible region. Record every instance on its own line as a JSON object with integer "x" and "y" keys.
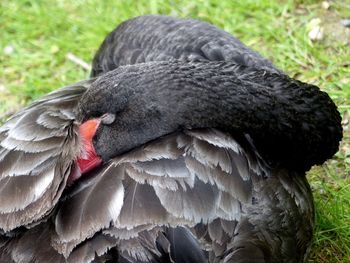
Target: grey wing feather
{"x": 94, "y": 250}
{"x": 76, "y": 219}
{"x": 168, "y": 38}
{"x": 37, "y": 149}
{"x": 128, "y": 207}
{"x": 32, "y": 246}
{"x": 143, "y": 202}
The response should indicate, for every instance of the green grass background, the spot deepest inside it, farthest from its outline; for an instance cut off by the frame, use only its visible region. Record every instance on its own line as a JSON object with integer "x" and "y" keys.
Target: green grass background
{"x": 36, "y": 36}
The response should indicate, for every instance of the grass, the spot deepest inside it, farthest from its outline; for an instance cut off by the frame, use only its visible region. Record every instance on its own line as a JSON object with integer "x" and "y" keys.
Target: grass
{"x": 36, "y": 36}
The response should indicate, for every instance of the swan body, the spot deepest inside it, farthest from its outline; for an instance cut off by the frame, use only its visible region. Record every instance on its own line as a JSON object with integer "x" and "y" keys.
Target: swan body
{"x": 184, "y": 146}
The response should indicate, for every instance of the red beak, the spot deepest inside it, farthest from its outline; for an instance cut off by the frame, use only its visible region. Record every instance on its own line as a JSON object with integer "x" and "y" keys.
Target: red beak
{"x": 89, "y": 158}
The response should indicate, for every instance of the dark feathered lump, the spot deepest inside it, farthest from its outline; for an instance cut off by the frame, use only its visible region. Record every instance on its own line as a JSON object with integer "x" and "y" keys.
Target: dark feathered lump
{"x": 303, "y": 130}
{"x": 198, "y": 195}
{"x": 292, "y": 124}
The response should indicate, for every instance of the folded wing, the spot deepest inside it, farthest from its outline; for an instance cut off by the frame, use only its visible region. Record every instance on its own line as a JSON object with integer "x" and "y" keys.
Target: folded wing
{"x": 37, "y": 150}
{"x": 163, "y": 38}
{"x": 175, "y": 181}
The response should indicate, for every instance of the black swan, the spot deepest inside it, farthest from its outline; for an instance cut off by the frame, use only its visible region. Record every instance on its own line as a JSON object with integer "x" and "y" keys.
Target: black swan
{"x": 184, "y": 146}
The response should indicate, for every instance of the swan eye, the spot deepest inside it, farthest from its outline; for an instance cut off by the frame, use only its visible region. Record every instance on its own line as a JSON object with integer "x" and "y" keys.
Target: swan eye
{"x": 108, "y": 118}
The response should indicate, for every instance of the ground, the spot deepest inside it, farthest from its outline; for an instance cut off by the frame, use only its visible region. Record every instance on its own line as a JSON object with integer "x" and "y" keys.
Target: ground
{"x": 39, "y": 41}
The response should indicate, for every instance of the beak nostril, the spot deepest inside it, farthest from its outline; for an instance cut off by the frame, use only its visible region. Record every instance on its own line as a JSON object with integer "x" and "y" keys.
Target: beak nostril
{"x": 108, "y": 118}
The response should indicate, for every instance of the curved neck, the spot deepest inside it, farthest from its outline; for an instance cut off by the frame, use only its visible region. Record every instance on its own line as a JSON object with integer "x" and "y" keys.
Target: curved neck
{"x": 290, "y": 122}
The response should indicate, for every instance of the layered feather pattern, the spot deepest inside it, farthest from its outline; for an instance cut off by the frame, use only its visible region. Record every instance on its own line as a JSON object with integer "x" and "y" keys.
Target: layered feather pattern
{"x": 168, "y": 38}
{"x": 188, "y": 196}
{"x": 153, "y": 199}
{"x": 38, "y": 147}
{"x": 160, "y": 189}
{"x": 163, "y": 184}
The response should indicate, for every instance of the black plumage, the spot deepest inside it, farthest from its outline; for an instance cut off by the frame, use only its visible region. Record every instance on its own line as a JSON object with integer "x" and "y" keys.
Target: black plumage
{"x": 205, "y": 150}
{"x": 164, "y": 38}
{"x": 272, "y": 108}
